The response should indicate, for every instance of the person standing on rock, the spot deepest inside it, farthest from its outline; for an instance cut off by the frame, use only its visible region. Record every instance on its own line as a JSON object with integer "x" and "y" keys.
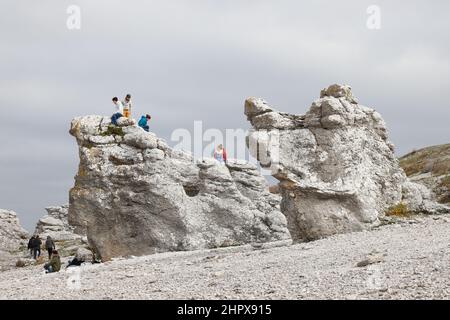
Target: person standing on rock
{"x": 50, "y": 246}
{"x": 30, "y": 245}
{"x": 220, "y": 154}
{"x": 127, "y": 106}
{"x": 54, "y": 265}
{"x": 37, "y": 247}
{"x": 119, "y": 110}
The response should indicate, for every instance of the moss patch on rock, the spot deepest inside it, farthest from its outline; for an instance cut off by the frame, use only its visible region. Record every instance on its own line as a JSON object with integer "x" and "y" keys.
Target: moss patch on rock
{"x": 113, "y": 131}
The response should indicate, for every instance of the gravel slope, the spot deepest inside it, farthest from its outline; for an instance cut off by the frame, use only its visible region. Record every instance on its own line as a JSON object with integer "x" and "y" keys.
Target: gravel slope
{"x": 414, "y": 254}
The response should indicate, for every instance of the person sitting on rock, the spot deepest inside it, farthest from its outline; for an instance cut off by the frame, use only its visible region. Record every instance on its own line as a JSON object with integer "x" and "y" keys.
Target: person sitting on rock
{"x": 80, "y": 259}
{"x": 220, "y": 154}
{"x": 75, "y": 262}
{"x": 119, "y": 110}
{"x": 127, "y": 106}
{"x": 54, "y": 265}
{"x": 50, "y": 246}
{"x": 37, "y": 247}
{"x": 143, "y": 123}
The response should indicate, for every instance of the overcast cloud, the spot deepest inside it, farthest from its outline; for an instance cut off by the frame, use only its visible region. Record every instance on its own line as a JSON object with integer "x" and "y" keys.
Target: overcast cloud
{"x": 198, "y": 60}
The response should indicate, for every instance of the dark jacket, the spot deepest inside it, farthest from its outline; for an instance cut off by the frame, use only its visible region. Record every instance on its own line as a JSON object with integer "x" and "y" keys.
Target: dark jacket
{"x": 49, "y": 244}
{"x": 30, "y": 243}
{"x": 74, "y": 262}
{"x": 37, "y": 243}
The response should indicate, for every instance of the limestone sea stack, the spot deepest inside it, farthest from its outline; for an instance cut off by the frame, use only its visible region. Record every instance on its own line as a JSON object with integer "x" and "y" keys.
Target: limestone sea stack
{"x": 134, "y": 195}
{"x": 336, "y": 166}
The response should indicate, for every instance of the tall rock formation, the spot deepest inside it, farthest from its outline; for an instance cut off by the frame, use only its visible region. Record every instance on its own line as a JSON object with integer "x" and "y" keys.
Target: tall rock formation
{"x": 13, "y": 238}
{"x": 335, "y": 164}
{"x": 55, "y": 223}
{"x": 12, "y": 235}
{"x": 134, "y": 195}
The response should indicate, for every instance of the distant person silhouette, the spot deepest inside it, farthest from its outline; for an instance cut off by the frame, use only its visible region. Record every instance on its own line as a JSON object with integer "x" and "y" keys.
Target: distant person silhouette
{"x": 37, "y": 247}
{"x": 220, "y": 154}
{"x": 30, "y": 245}
{"x": 50, "y": 246}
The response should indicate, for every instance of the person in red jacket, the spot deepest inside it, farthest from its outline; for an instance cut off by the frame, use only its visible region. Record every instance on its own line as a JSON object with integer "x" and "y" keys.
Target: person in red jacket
{"x": 220, "y": 154}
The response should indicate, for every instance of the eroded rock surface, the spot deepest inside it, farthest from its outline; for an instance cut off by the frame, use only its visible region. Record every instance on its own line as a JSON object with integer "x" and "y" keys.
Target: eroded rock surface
{"x": 134, "y": 195}
{"x": 430, "y": 166}
{"x": 56, "y": 225}
{"x": 336, "y": 167}
{"x": 13, "y": 238}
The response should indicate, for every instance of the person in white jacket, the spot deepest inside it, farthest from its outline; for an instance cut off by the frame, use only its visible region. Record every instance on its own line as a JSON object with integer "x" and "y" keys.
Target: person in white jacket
{"x": 119, "y": 110}
{"x": 127, "y": 106}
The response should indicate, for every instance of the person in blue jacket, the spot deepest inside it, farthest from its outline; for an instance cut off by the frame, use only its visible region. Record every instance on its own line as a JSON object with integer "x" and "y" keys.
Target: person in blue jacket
{"x": 143, "y": 123}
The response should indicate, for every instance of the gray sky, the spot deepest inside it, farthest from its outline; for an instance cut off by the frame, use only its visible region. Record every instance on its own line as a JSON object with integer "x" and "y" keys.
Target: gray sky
{"x": 198, "y": 60}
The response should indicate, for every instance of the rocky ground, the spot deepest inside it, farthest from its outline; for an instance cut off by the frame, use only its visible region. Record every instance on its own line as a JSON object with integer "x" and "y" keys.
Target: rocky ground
{"x": 407, "y": 260}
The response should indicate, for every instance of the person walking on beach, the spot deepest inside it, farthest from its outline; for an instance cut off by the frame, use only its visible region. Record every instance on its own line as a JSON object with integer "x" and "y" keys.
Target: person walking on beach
{"x": 37, "y": 247}
{"x": 30, "y": 245}
{"x": 50, "y": 246}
